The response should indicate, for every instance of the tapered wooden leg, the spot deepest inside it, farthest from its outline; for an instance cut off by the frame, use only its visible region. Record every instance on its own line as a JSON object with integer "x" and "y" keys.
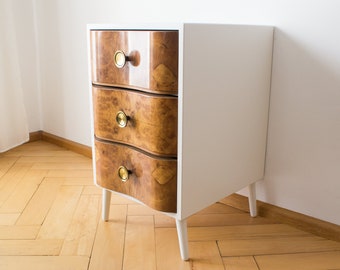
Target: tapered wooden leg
{"x": 106, "y": 199}
{"x": 182, "y": 233}
{"x": 252, "y": 200}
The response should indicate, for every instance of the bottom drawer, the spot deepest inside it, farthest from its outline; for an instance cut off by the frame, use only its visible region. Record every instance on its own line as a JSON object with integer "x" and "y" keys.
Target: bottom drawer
{"x": 151, "y": 180}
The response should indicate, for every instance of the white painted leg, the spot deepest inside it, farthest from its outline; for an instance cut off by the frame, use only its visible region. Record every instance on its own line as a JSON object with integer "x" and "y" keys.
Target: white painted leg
{"x": 106, "y": 199}
{"x": 252, "y": 199}
{"x": 182, "y": 233}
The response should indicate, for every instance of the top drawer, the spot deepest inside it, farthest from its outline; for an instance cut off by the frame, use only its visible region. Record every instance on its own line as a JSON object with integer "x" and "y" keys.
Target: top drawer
{"x": 151, "y": 60}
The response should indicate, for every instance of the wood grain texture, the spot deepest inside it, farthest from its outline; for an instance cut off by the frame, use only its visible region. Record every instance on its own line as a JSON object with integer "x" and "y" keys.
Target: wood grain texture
{"x": 298, "y": 220}
{"x": 35, "y": 136}
{"x": 30, "y": 247}
{"x": 66, "y": 202}
{"x": 60, "y": 215}
{"x": 23, "y": 191}
{"x": 281, "y": 245}
{"x": 167, "y": 250}
{"x": 139, "y": 252}
{"x": 18, "y": 232}
{"x": 81, "y": 233}
{"x": 152, "y": 124}
{"x": 10, "y": 181}
{"x": 205, "y": 255}
{"x": 36, "y": 210}
{"x": 44, "y": 263}
{"x": 8, "y": 219}
{"x": 208, "y": 220}
{"x": 310, "y": 261}
{"x": 71, "y": 145}
{"x": 5, "y": 164}
{"x": 240, "y": 263}
{"x": 243, "y": 232}
{"x": 153, "y": 181}
{"x": 108, "y": 247}
{"x": 153, "y": 56}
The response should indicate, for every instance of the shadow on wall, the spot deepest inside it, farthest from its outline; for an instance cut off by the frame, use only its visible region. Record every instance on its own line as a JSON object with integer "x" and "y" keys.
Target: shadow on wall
{"x": 303, "y": 155}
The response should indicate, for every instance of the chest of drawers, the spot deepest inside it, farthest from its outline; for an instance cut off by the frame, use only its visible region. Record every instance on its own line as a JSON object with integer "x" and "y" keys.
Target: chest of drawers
{"x": 179, "y": 113}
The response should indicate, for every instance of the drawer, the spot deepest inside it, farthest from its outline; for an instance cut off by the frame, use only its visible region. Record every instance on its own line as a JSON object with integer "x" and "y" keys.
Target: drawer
{"x": 151, "y": 180}
{"x": 151, "y": 60}
{"x": 151, "y": 119}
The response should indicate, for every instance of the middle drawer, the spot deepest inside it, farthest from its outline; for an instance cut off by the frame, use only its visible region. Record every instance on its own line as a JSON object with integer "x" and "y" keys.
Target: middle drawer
{"x": 151, "y": 119}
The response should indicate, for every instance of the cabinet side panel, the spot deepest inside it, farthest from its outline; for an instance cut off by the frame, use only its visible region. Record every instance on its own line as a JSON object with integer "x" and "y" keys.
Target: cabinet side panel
{"x": 226, "y": 85}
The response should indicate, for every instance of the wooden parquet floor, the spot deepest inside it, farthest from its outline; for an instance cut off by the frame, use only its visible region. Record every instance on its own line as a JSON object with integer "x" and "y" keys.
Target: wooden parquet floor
{"x": 50, "y": 220}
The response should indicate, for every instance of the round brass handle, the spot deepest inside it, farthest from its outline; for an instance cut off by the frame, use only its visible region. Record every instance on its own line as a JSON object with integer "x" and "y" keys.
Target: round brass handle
{"x": 123, "y": 173}
{"x": 121, "y": 119}
{"x": 120, "y": 59}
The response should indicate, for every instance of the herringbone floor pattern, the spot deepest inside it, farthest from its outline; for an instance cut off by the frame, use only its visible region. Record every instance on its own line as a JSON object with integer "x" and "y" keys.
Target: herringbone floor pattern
{"x": 50, "y": 220}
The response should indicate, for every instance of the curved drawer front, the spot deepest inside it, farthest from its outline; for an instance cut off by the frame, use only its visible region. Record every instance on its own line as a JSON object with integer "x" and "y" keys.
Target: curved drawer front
{"x": 151, "y": 60}
{"x": 151, "y": 119}
{"x": 152, "y": 181}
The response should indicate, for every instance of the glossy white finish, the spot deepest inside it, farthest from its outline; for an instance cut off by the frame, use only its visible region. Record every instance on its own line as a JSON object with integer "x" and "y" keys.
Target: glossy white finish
{"x": 223, "y": 130}
{"x": 252, "y": 200}
{"x": 182, "y": 233}
{"x": 106, "y": 199}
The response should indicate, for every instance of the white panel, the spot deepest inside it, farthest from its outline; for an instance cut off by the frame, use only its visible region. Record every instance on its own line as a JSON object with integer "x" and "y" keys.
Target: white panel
{"x": 225, "y": 110}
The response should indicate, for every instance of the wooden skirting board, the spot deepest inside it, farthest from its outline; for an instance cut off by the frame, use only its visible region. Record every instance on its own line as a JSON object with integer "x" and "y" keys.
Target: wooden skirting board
{"x": 73, "y": 146}
{"x": 316, "y": 226}
{"x": 300, "y": 221}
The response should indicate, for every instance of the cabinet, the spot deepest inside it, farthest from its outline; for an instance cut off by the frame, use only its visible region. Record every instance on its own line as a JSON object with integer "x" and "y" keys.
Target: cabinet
{"x": 179, "y": 113}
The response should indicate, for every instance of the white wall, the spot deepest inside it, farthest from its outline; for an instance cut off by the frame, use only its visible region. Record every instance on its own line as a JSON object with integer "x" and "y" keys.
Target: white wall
{"x": 303, "y": 160}
{"x": 24, "y": 18}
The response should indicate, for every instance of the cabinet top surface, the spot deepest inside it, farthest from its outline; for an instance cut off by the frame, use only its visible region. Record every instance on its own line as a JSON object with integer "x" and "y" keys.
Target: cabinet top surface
{"x": 136, "y": 26}
{"x": 156, "y": 26}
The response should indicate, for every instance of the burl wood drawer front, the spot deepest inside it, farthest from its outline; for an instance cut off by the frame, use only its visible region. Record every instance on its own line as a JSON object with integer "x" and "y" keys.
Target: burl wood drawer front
{"x": 151, "y": 123}
{"x": 151, "y": 60}
{"x": 151, "y": 180}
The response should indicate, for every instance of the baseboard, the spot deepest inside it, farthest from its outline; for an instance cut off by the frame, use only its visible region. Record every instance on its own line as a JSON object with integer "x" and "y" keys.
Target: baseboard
{"x": 35, "y": 136}
{"x": 70, "y": 145}
{"x": 315, "y": 226}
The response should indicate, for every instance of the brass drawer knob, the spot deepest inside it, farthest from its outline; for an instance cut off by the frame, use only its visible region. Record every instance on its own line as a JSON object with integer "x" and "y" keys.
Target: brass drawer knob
{"x": 120, "y": 59}
{"x": 123, "y": 173}
{"x": 121, "y": 119}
